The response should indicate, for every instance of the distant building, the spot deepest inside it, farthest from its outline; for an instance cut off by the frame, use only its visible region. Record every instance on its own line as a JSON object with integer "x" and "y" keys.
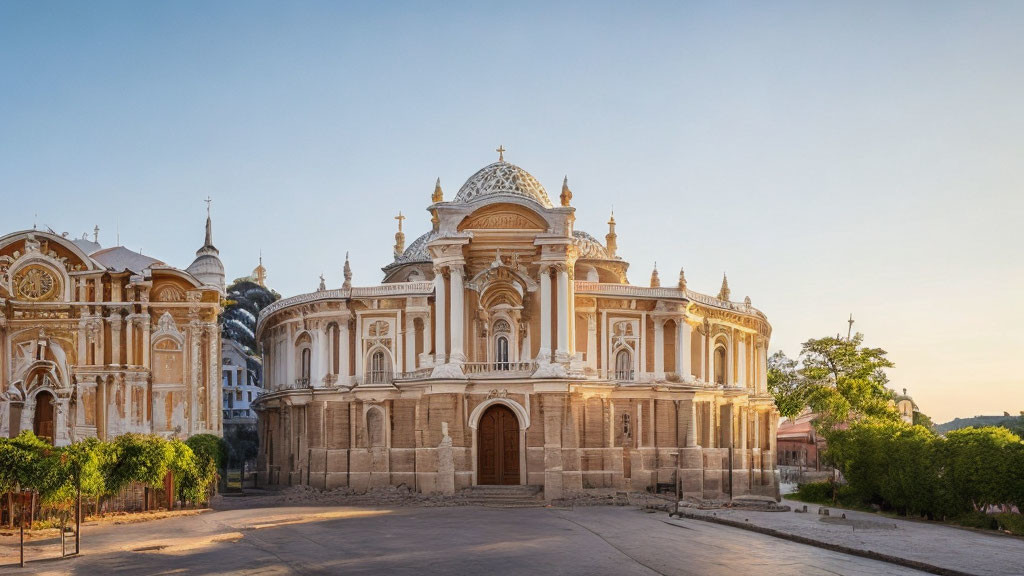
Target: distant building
{"x": 240, "y": 383}
{"x": 906, "y": 406}
{"x": 798, "y": 443}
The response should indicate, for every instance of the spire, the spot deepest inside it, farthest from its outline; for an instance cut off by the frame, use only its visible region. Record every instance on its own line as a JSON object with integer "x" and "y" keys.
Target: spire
{"x": 209, "y": 224}
{"x": 655, "y": 280}
{"x": 610, "y": 238}
{"x": 399, "y": 237}
{"x": 96, "y": 234}
{"x": 259, "y": 274}
{"x": 347, "y": 272}
{"x": 682, "y": 280}
{"x": 438, "y": 195}
{"x": 566, "y": 193}
{"x": 723, "y": 294}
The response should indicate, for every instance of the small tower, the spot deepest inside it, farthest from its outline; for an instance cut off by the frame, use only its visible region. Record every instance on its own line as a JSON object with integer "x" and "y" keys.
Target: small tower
{"x": 682, "y": 280}
{"x": 609, "y": 239}
{"x": 566, "y": 196}
{"x": 723, "y": 293}
{"x": 259, "y": 274}
{"x": 347, "y": 272}
{"x": 655, "y": 280}
{"x": 436, "y": 197}
{"x": 399, "y": 237}
{"x": 207, "y": 267}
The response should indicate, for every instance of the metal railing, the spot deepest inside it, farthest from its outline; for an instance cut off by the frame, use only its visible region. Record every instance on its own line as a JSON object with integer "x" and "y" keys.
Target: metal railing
{"x": 498, "y": 369}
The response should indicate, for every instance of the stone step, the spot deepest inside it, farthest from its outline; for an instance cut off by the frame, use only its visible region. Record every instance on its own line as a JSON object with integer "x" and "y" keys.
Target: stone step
{"x": 505, "y": 489}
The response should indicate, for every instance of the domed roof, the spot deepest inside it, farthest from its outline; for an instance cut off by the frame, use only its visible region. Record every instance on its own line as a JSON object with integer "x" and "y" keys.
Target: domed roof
{"x": 589, "y": 247}
{"x": 503, "y": 178}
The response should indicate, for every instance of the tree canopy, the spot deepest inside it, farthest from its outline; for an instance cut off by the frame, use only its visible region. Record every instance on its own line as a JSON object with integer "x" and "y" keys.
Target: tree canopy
{"x": 242, "y": 306}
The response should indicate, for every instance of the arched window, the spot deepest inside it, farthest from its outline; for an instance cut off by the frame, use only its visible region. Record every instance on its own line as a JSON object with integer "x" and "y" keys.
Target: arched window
{"x": 380, "y": 368}
{"x": 623, "y": 365}
{"x": 720, "y": 365}
{"x": 306, "y": 357}
{"x": 501, "y": 330}
{"x": 501, "y": 352}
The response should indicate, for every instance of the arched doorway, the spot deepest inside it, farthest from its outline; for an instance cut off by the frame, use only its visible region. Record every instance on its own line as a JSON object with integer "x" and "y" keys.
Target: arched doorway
{"x": 498, "y": 447}
{"x": 43, "y": 422}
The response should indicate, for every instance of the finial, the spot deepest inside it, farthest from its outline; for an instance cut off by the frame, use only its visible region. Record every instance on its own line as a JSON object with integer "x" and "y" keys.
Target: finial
{"x": 96, "y": 234}
{"x": 746, "y": 301}
{"x": 723, "y": 294}
{"x": 347, "y": 272}
{"x": 208, "y": 202}
{"x": 610, "y": 239}
{"x": 323, "y": 284}
{"x": 682, "y": 280}
{"x": 501, "y": 153}
{"x": 655, "y": 280}
{"x": 849, "y": 330}
{"x": 566, "y": 193}
{"x": 399, "y": 237}
{"x": 438, "y": 195}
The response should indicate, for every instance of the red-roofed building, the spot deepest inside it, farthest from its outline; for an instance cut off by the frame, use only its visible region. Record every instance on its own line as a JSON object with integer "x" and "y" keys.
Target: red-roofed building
{"x": 798, "y": 443}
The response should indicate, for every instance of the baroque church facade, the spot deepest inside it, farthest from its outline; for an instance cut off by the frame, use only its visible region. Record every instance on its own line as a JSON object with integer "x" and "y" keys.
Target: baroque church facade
{"x": 104, "y": 341}
{"x": 506, "y": 347}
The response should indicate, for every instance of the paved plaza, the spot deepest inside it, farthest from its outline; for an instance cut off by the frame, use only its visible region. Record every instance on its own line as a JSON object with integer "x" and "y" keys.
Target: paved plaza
{"x": 949, "y": 547}
{"x": 454, "y": 540}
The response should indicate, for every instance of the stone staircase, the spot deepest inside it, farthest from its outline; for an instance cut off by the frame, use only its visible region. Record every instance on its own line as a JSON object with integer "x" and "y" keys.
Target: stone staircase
{"x": 504, "y": 496}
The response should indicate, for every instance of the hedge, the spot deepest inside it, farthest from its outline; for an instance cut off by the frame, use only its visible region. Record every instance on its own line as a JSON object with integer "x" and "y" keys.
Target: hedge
{"x": 104, "y": 468}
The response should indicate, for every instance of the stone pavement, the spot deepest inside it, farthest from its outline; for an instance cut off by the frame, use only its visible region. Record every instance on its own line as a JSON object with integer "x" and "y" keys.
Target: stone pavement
{"x": 946, "y": 547}
{"x": 614, "y": 540}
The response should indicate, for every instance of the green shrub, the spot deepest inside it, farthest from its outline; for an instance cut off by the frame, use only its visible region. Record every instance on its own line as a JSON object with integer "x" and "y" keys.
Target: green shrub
{"x": 976, "y": 519}
{"x": 209, "y": 447}
{"x": 1012, "y": 522}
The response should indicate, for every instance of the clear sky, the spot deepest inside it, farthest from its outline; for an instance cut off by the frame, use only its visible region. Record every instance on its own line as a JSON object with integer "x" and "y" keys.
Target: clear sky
{"x": 860, "y": 157}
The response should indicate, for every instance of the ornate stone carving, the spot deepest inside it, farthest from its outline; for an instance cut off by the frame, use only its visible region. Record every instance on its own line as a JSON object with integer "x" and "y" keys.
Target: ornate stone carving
{"x": 35, "y": 283}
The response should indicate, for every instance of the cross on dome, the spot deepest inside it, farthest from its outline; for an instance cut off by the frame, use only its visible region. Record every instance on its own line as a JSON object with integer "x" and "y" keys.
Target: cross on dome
{"x": 501, "y": 153}
{"x": 400, "y": 218}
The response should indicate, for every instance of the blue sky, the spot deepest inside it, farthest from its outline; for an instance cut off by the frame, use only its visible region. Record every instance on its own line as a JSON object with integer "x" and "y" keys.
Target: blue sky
{"x": 832, "y": 158}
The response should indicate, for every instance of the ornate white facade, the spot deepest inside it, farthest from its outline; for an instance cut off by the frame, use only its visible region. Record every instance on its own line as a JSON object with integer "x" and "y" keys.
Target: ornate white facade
{"x": 504, "y": 315}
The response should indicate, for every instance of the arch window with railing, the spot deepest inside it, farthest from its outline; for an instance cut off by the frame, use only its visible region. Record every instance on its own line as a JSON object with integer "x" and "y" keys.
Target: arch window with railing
{"x": 624, "y": 365}
{"x": 379, "y": 367}
{"x": 720, "y": 365}
{"x": 502, "y": 330}
{"x": 304, "y": 366}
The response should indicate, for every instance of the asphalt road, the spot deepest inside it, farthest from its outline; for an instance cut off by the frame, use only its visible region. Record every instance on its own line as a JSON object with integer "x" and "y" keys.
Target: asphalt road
{"x": 422, "y": 541}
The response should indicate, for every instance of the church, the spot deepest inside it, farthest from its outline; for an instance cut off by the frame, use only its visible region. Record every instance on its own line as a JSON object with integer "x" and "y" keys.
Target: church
{"x": 506, "y": 347}
{"x": 97, "y": 342}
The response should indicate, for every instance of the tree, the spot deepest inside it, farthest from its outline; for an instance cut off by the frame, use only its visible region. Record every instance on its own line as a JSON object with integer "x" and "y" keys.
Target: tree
{"x": 922, "y": 419}
{"x": 786, "y": 384}
{"x": 845, "y": 381}
{"x": 242, "y": 305}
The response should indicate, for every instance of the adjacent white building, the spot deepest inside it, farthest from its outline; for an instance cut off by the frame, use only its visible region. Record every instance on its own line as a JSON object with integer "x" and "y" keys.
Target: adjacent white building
{"x": 240, "y": 383}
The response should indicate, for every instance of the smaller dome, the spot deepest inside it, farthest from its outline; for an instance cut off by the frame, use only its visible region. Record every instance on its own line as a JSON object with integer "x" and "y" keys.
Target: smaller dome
{"x": 208, "y": 269}
{"x": 502, "y": 178}
{"x": 589, "y": 247}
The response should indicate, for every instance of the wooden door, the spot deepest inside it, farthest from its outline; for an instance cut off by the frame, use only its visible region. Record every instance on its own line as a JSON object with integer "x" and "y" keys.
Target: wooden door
{"x": 498, "y": 447}
{"x": 43, "y": 423}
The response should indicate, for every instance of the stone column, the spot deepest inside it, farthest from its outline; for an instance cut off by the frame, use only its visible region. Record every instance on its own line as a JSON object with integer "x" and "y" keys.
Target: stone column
{"x": 691, "y": 426}
{"x": 129, "y": 341}
{"x": 710, "y": 375}
{"x": 440, "y": 311}
{"x": 343, "y": 349}
{"x": 428, "y": 344}
{"x": 145, "y": 340}
{"x": 762, "y": 376}
{"x": 704, "y": 358}
{"x": 458, "y": 356}
{"x": 741, "y": 378}
{"x": 684, "y": 357}
{"x": 410, "y": 343}
{"x": 592, "y": 340}
{"x": 324, "y": 355}
{"x": 544, "y": 354}
{"x": 563, "y": 314}
{"x": 659, "y": 349}
{"x": 115, "y": 339}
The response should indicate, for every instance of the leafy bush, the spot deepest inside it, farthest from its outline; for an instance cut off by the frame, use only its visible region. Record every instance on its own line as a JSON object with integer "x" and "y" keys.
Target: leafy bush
{"x": 209, "y": 447}
{"x": 136, "y": 458}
